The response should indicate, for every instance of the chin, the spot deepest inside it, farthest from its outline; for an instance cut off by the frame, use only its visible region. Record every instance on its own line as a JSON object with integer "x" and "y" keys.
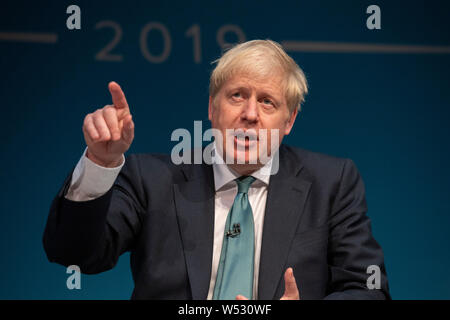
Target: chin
{"x": 245, "y": 158}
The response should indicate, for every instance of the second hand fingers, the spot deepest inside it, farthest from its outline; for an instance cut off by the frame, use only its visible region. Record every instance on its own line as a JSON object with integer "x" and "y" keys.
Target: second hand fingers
{"x": 90, "y": 129}
{"x": 101, "y": 126}
{"x": 110, "y": 116}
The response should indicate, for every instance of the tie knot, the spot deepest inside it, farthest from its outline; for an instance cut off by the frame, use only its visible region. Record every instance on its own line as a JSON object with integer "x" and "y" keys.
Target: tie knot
{"x": 244, "y": 183}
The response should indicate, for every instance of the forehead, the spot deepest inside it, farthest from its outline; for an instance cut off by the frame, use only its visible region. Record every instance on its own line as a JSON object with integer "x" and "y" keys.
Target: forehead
{"x": 272, "y": 84}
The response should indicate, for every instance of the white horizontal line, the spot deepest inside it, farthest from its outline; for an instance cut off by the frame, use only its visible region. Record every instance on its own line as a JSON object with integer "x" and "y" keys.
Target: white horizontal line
{"x": 342, "y": 47}
{"x": 29, "y": 37}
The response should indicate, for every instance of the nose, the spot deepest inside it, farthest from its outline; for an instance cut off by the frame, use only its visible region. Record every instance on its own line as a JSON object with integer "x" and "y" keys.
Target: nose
{"x": 250, "y": 112}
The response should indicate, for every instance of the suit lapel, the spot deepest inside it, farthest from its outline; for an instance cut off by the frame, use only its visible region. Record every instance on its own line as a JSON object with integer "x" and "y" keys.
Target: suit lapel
{"x": 194, "y": 201}
{"x": 286, "y": 197}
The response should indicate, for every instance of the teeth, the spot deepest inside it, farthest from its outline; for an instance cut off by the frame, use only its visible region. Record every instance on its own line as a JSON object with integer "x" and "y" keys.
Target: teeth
{"x": 247, "y": 135}
{"x": 242, "y": 137}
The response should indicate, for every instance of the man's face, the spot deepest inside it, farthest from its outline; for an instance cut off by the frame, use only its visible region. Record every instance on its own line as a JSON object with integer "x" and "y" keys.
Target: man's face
{"x": 244, "y": 103}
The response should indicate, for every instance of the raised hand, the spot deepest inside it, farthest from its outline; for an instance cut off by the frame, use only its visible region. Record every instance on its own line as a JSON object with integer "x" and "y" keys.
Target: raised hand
{"x": 109, "y": 131}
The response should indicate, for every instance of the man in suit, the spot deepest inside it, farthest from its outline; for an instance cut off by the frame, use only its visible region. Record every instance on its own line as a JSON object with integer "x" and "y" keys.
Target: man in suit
{"x": 240, "y": 228}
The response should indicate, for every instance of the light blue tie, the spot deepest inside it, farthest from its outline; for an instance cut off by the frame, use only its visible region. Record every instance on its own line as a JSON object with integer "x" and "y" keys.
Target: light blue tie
{"x": 235, "y": 271}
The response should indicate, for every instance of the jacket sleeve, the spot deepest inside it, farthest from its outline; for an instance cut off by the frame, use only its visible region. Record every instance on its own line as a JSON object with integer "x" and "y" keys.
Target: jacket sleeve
{"x": 93, "y": 234}
{"x": 352, "y": 247}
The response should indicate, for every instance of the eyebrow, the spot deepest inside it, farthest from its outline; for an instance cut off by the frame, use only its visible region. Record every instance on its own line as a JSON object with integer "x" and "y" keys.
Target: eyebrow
{"x": 233, "y": 88}
{"x": 264, "y": 92}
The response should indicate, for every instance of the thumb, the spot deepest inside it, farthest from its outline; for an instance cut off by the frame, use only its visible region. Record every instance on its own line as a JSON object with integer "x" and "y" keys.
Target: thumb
{"x": 291, "y": 290}
{"x": 241, "y": 297}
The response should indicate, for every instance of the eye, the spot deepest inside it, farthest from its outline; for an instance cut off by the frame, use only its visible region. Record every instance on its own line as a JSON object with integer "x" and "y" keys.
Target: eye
{"x": 267, "y": 101}
{"x": 236, "y": 95}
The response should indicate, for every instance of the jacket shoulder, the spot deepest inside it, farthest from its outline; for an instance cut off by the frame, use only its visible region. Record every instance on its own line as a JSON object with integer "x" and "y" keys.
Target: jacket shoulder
{"x": 308, "y": 157}
{"x": 317, "y": 164}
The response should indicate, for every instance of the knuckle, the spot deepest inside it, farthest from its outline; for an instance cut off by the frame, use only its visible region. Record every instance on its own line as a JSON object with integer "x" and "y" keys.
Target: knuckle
{"x": 98, "y": 117}
{"x": 87, "y": 118}
{"x": 110, "y": 112}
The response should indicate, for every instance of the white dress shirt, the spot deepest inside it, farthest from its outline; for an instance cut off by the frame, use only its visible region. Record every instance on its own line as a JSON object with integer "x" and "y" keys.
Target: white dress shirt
{"x": 90, "y": 181}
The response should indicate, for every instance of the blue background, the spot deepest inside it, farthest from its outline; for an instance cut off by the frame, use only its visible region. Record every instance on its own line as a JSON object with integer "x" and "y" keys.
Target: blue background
{"x": 388, "y": 112}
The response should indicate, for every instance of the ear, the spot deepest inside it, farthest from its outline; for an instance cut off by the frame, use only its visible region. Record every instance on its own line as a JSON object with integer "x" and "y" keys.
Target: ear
{"x": 290, "y": 121}
{"x": 210, "y": 108}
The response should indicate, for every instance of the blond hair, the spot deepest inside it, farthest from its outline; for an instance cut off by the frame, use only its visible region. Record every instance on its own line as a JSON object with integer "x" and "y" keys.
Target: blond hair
{"x": 261, "y": 58}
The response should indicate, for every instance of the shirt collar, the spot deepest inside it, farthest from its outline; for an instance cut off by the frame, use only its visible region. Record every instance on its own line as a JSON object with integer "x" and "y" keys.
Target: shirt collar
{"x": 224, "y": 174}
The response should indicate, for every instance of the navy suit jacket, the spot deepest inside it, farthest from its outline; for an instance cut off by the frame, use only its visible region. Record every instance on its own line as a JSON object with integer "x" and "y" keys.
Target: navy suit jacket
{"x": 315, "y": 222}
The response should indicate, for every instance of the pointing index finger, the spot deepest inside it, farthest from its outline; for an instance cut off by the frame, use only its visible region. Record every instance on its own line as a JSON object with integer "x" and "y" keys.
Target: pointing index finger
{"x": 118, "y": 97}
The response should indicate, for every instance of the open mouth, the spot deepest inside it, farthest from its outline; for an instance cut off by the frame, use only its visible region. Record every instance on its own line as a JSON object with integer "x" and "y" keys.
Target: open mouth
{"x": 245, "y": 139}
